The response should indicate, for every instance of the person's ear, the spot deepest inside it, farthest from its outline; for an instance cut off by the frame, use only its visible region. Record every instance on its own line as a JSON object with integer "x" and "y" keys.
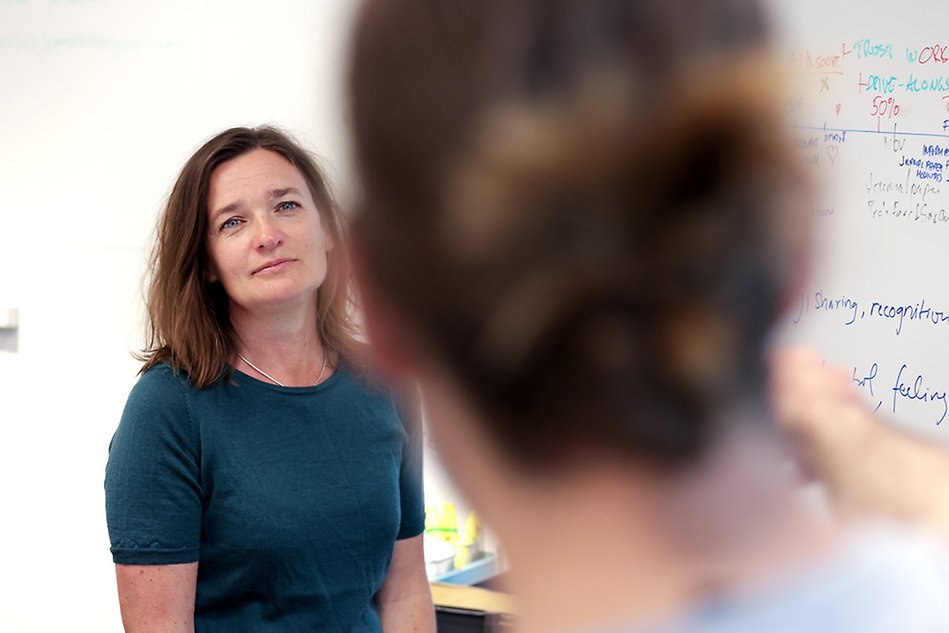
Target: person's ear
{"x": 327, "y": 235}
{"x": 799, "y": 234}
{"x": 391, "y": 338}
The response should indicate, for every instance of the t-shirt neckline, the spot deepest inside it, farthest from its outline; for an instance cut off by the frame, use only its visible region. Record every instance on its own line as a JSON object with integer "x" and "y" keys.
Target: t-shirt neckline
{"x": 247, "y": 380}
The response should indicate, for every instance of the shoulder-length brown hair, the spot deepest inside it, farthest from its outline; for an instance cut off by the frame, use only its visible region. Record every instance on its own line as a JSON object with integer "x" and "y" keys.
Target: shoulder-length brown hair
{"x": 189, "y": 326}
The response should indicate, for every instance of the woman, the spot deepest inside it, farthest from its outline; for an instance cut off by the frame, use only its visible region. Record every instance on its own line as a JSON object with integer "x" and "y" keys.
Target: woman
{"x": 579, "y": 220}
{"x": 257, "y": 481}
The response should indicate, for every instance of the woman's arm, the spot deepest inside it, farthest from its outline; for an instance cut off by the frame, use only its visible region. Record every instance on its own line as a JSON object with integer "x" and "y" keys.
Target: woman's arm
{"x": 405, "y": 598}
{"x": 157, "y": 598}
{"x": 868, "y": 465}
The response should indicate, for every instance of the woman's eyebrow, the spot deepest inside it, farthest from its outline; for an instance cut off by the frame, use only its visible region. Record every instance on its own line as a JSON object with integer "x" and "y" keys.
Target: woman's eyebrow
{"x": 279, "y": 193}
{"x": 273, "y": 194}
{"x": 230, "y": 208}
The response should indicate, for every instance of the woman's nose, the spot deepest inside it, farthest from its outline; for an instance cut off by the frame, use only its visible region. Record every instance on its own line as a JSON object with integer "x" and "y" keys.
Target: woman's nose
{"x": 269, "y": 236}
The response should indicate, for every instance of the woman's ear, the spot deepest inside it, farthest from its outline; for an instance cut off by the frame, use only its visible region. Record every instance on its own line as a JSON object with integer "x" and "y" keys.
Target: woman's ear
{"x": 391, "y": 339}
{"x": 327, "y": 235}
{"x": 798, "y": 260}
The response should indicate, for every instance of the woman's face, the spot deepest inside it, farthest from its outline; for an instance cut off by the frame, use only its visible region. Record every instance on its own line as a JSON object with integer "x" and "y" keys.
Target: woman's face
{"x": 266, "y": 239}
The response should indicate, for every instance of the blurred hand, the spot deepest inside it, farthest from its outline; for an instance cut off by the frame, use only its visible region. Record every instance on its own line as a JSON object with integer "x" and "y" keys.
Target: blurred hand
{"x": 822, "y": 410}
{"x": 868, "y": 467}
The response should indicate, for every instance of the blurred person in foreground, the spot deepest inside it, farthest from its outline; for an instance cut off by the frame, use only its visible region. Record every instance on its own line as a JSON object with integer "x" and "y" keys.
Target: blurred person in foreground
{"x": 578, "y": 221}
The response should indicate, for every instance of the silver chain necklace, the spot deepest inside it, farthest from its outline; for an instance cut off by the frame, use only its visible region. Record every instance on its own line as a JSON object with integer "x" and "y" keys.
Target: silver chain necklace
{"x": 274, "y": 380}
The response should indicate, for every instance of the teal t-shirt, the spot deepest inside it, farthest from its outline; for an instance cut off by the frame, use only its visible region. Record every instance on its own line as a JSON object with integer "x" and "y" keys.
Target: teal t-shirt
{"x": 289, "y": 498}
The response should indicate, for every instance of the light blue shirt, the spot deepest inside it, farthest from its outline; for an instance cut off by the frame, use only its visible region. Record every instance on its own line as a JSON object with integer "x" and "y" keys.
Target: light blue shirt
{"x": 881, "y": 581}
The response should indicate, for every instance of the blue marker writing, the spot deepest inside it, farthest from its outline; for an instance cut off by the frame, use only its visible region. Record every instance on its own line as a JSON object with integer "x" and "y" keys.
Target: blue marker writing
{"x": 916, "y": 391}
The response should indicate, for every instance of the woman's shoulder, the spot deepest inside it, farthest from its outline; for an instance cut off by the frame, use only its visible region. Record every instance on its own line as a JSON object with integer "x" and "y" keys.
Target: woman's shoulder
{"x": 159, "y": 388}
{"x": 403, "y": 401}
{"x": 356, "y": 368}
{"x": 885, "y": 577}
{"x": 161, "y": 379}
{"x": 880, "y": 579}
{"x": 158, "y": 412}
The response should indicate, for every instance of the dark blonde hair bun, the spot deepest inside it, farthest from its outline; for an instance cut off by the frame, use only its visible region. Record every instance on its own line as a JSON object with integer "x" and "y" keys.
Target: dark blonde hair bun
{"x": 607, "y": 227}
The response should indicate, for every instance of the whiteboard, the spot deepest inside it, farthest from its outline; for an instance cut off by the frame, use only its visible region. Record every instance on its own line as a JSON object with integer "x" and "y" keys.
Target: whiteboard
{"x": 870, "y": 110}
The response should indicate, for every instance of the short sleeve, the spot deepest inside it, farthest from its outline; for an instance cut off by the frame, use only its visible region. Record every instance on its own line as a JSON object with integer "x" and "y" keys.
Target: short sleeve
{"x": 410, "y": 477}
{"x": 152, "y": 482}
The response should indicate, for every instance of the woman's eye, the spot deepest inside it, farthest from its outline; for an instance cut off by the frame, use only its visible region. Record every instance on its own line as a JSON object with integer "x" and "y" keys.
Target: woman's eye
{"x": 287, "y": 206}
{"x": 230, "y": 223}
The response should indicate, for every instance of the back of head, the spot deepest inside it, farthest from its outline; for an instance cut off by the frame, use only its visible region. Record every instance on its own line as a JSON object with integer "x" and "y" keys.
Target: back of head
{"x": 585, "y": 207}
